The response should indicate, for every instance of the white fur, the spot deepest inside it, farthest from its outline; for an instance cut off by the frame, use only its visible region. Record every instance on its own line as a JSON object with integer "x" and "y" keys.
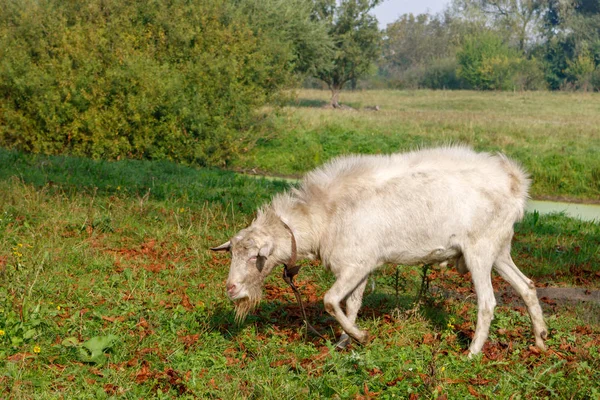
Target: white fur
{"x": 358, "y": 212}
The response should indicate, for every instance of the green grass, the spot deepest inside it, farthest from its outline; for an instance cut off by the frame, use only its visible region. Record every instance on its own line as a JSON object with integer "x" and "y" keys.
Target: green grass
{"x": 556, "y": 136}
{"x": 105, "y": 269}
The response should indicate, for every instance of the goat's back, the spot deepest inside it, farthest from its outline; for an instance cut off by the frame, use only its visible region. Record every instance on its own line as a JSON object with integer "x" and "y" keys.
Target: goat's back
{"x": 456, "y": 173}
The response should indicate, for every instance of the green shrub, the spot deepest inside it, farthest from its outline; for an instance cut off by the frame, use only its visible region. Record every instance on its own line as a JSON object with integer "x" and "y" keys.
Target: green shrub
{"x": 529, "y": 75}
{"x": 442, "y": 74}
{"x": 158, "y": 79}
{"x": 487, "y": 63}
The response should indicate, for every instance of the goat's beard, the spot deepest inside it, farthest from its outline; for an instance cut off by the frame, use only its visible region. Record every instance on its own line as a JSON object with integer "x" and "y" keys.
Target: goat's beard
{"x": 244, "y": 305}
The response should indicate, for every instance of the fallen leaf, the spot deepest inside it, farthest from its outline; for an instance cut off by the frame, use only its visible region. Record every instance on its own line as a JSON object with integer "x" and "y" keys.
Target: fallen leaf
{"x": 20, "y": 357}
{"x": 473, "y": 392}
{"x": 144, "y": 373}
{"x": 113, "y": 319}
{"x": 111, "y": 389}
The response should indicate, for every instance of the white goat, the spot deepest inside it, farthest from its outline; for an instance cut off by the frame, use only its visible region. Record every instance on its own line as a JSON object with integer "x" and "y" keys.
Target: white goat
{"x": 356, "y": 213}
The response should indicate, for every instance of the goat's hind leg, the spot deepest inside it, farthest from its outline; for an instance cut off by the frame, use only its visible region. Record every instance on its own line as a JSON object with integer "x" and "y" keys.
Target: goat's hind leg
{"x": 507, "y": 269}
{"x": 345, "y": 287}
{"x": 479, "y": 263}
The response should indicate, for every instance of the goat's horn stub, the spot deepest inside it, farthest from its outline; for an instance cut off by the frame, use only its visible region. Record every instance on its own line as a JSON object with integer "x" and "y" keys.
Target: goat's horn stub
{"x": 224, "y": 247}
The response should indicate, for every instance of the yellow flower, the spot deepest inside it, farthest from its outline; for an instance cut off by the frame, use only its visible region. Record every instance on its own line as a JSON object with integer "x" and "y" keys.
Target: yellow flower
{"x": 58, "y": 308}
{"x": 2, "y": 333}
{"x": 37, "y": 349}
{"x": 181, "y": 209}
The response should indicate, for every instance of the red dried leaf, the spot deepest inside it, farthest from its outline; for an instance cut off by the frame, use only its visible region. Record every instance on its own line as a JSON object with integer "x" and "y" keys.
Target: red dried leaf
{"x": 480, "y": 381}
{"x": 583, "y": 330}
{"x": 189, "y": 340}
{"x": 111, "y": 389}
{"x": 473, "y": 392}
{"x": 144, "y": 373}
{"x": 185, "y": 302}
{"x": 548, "y": 301}
{"x": 132, "y": 363}
{"x": 428, "y": 338}
{"x": 96, "y": 372}
{"x": 113, "y": 319}
{"x": 19, "y": 357}
{"x": 395, "y": 381}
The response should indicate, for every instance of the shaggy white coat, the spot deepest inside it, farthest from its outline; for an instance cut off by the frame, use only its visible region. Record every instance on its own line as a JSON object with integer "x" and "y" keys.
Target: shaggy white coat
{"x": 358, "y": 212}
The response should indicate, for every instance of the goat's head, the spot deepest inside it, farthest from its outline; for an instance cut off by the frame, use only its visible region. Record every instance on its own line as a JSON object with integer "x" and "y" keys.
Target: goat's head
{"x": 255, "y": 251}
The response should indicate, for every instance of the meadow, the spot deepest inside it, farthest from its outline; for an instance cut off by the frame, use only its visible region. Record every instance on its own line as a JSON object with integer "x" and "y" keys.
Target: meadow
{"x": 555, "y": 135}
{"x": 108, "y": 289}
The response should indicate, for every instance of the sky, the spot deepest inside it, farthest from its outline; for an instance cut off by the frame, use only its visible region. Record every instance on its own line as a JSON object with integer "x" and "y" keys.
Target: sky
{"x": 389, "y": 10}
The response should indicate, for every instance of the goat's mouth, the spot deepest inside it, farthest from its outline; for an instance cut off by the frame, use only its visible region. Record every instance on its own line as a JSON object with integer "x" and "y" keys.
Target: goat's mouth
{"x": 236, "y": 295}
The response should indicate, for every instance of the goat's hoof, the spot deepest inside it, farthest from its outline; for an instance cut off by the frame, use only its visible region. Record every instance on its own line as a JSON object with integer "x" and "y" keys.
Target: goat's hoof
{"x": 344, "y": 341}
{"x": 363, "y": 337}
{"x": 540, "y": 345}
{"x": 472, "y": 353}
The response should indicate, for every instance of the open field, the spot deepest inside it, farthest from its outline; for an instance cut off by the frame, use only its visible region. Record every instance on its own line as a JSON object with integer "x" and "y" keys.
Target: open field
{"x": 556, "y": 136}
{"x": 108, "y": 290}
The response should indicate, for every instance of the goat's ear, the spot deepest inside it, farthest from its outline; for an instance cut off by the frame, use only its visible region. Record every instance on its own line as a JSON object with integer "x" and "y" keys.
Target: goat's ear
{"x": 224, "y": 247}
{"x": 266, "y": 250}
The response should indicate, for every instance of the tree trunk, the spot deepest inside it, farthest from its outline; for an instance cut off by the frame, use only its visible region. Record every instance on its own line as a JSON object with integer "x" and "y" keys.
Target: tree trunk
{"x": 335, "y": 96}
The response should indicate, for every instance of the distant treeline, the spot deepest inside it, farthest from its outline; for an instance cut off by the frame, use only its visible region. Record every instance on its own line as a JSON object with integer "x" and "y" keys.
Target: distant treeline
{"x": 493, "y": 45}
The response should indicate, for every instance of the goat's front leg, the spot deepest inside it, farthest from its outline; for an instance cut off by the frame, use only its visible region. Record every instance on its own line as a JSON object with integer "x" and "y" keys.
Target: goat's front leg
{"x": 351, "y": 287}
{"x": 353, "y": 304}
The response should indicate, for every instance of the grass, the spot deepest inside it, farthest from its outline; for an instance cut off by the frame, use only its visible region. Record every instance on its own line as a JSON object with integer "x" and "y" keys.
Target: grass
{"x": 108, "y": 290}
{"x": 556, "y": 136}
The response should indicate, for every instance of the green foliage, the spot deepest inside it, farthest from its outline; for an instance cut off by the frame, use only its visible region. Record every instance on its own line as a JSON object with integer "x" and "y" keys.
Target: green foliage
{"x": 356, "y": 39}
{"x": 172, "y": 80}
{"x": 419, "y": 52}
{"x": 529, "y": 45}
{"x": 439, "y": 73}
{"x": 291, "y": 31}
{"x": 582, "y": 70}
{"x": 487, "y": 63}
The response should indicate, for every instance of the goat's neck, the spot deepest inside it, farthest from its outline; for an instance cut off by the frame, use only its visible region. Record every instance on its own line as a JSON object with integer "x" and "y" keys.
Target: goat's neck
{"x": 306, "y": 228}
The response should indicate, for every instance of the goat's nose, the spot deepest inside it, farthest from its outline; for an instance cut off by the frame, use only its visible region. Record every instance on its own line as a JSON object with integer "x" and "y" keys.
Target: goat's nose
{"x": 230, "y": 287}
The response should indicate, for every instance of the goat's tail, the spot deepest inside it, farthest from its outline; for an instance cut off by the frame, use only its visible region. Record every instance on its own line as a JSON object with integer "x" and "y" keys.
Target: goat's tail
{"x": 519, "y": 182}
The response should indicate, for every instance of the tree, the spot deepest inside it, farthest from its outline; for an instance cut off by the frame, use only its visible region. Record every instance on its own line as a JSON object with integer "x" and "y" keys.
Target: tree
{"x": 415, "y": 40}
{"x": 356, "y": 42}
{"x": 519, "y": 20}
{"x": 572, "y": 49}
{"x": 487, "y": 63}
{"x": 522, "y": 18}
{"x": 292, "y": 30}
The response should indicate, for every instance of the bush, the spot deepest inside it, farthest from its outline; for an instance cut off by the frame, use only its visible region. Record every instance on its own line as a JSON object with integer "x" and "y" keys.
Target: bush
{"x": 487, "y": 63}
{"x": 529, "y": 75}
{"x": 442, "y": 74}
{"x": 158, "y": 79}
{"x": 582, "y": 70}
